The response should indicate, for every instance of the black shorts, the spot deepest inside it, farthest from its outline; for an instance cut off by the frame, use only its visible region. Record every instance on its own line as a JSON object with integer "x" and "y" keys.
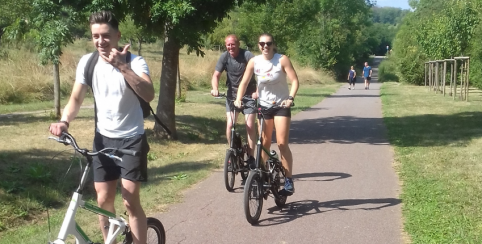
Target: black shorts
{"x": 272, "y": 112}
{"x": 352, "y": 81}
{"x": 368, "y": 78}
{"x": 133, "y": 168}
{"x": 246, "y": 100}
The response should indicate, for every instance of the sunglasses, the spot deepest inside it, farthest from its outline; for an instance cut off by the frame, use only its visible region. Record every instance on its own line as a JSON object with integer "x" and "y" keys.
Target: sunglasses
{"x": 265, "y": 43}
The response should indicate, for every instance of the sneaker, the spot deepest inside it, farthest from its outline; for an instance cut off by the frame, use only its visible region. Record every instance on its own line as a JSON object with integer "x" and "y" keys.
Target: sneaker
{"x": 289, "y": 187}
{"x": 251, "y": 162}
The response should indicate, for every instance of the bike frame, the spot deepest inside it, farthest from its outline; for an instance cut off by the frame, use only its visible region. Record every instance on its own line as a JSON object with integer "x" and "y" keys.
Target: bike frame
{"x": 69, "y": 225}
{"x": 260, "y": 148}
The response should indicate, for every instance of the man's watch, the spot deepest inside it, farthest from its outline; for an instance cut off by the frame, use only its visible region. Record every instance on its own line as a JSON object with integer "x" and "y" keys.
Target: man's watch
{"x": 291, "y": 98}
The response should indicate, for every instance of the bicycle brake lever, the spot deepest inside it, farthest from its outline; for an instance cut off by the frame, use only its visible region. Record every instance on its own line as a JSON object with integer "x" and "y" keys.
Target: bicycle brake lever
{"x": 114, "y": 157}
{"x": 129, "y": 152}
{"x": 59, "y": 140}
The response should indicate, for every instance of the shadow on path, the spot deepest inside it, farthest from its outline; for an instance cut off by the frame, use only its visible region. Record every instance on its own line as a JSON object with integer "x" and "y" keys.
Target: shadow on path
{"x": 295, "y": 210}
{"x": 324, "y": 176}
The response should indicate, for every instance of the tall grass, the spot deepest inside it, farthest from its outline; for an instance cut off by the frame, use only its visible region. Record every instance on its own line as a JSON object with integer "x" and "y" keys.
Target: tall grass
{"x": 23, "y": 80}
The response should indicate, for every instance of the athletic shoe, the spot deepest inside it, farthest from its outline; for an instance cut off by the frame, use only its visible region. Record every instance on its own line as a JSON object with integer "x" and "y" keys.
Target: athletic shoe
{"x": 289, "y": 187}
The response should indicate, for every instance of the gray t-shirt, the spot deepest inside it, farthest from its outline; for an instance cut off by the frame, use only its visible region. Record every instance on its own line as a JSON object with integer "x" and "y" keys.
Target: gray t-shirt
{"x": 235, "y": 68}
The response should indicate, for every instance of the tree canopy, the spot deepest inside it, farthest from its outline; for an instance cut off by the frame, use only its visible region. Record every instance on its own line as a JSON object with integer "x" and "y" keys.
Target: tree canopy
{"x": 438, "y": 30}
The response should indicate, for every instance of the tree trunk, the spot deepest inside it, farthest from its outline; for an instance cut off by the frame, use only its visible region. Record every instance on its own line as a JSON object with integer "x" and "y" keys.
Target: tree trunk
{"x": 57, "y": 90}
{"x": 166, "y": 106}
{"x": 139, "y": 42}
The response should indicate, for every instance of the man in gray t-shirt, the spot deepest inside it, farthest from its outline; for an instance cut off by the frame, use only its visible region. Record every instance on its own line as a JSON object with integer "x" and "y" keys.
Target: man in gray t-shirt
{"x": 234, "y": 62}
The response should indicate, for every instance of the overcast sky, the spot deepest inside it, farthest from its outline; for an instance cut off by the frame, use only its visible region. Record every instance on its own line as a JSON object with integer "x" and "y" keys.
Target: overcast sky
{"x": 393, "y": 3}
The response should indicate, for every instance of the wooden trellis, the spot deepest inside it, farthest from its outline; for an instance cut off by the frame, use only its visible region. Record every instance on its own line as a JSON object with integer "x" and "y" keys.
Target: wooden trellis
{"x": 436, "y": 76}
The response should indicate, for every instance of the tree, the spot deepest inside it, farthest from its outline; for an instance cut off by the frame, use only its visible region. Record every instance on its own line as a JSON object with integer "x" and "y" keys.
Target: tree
{"x": 50, "y": 24}
{"x": 11, "y": 11}
{"x": 132, "y": 32}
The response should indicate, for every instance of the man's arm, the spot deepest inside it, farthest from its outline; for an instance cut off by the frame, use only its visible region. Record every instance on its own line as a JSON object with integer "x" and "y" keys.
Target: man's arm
{"x": 371, "y": 71}
{"x": 215, "y": 83}
{"x": 71, "y": 109}
{"x": 142, "y": 85}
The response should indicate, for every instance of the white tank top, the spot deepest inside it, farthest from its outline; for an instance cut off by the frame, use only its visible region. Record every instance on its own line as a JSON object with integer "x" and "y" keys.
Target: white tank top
{"x": 272, "y": 84}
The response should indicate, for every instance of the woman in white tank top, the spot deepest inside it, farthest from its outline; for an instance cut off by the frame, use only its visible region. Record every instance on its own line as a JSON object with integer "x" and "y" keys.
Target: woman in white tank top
{"x": 272, "y": 70}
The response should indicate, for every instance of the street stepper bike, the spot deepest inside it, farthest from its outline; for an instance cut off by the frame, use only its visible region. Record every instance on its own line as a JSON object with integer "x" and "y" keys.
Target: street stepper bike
{"x": 117, "y": 225}
{"x": 236, "y": 155}
{"x": 264, "y": 179}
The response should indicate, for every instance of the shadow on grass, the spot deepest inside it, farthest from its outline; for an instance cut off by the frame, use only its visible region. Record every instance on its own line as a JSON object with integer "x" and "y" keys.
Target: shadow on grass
{"x": 434, "y": 130}
{"x": 47, "y": 179}
{"x": 195, "y": 129}
{"x": 299, "y": 209}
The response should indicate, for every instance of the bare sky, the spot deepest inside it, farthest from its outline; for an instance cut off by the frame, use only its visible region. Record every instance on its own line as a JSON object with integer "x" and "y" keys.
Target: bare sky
{"x": 393, "y": 3}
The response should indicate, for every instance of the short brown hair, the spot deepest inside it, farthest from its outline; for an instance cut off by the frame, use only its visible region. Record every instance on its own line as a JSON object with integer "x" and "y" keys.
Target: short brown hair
{"x": 104, "y": 17}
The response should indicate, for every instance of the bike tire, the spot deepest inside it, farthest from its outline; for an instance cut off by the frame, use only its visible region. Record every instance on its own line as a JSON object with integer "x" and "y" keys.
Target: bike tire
{"x": 155, "y": 233}
{"x": 253, "y": 197}
{"x": 244, "y": 167}
{"x": 229, "y": 174}
{"x": 280, "y": 200}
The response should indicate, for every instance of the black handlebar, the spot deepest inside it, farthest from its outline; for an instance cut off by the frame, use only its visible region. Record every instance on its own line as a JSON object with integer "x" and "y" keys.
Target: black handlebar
{"x": 68, "y": 139}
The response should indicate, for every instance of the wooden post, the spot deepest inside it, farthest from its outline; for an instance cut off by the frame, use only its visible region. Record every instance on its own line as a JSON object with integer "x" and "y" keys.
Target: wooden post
{"x": 451, "y": 78}
{"x": 461, "y": 81}
{"x": 468, "y": 79}
{"x": 455, "y": 78}
{"x": 178, "y": 83}
{"x": 436, "y": 78}
{"x": 444, "y": 76}
{"x": 425, "y": 73}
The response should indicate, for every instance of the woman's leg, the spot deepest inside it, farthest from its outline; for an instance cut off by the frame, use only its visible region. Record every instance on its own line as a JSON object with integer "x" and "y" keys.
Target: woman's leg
{"x": 282, "y": 125}
{"x": 266, "y": 136}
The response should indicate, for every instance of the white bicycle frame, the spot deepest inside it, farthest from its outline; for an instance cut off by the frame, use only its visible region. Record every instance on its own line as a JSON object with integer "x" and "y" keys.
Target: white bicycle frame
{"x": 116, "y": 224}
{"x": 69, "y": 226}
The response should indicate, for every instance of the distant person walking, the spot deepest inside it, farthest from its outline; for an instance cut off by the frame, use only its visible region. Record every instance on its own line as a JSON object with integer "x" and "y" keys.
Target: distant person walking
{"x": 351, "y": 78}
{"x": 367, "y": 74}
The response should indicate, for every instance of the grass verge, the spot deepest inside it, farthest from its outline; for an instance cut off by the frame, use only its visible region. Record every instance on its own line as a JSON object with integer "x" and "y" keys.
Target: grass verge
{"x": 437, "y": 145}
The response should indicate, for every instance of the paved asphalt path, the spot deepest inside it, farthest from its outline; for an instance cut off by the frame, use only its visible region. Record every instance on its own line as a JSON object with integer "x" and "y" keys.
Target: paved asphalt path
{"x": 346, "y": 187}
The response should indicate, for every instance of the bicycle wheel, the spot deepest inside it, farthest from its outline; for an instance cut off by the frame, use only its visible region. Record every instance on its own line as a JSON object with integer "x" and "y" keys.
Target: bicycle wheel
{"x": 155, "y": 233}
{"x": 278, "y": 182}
{"x": 229, "y": 174}
{"x": 243, "y": 165}
{"x": 253, "y": 197}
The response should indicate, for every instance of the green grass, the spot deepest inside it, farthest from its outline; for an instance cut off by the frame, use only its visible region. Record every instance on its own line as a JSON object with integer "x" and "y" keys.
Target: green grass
{"x": 437, "y": 145}
{"x": 32, "y": 181}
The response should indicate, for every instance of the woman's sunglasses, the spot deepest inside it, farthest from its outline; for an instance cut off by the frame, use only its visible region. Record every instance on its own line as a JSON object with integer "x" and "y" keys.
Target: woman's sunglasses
{"x": 267, "y": 43}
